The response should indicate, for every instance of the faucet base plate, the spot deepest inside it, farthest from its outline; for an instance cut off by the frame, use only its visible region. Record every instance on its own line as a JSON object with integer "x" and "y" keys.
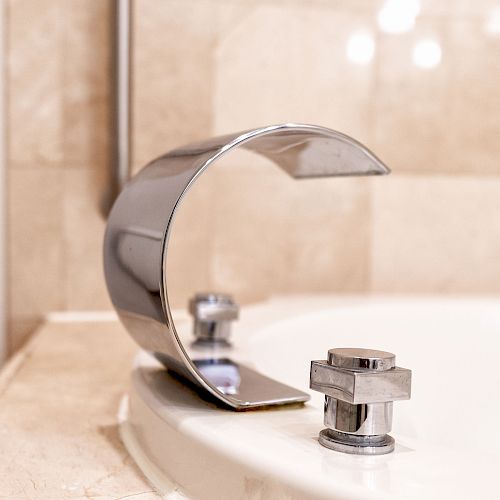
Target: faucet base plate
{"x": 356, "y": 445}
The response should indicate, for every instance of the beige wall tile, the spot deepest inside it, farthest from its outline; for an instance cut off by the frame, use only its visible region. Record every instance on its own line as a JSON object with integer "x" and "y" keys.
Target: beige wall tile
{"x": 36, "y": 254}
{"x": 57, "y": 117}
{"x": 250, "y": 239}
{"x": 172, "y": 76}
{"x": 468, "y": 8}
{"x": 86, "y": 52}
{"x": 275, "y": 234}
{"x": 444, "y": 119}
{"x": 83, "y": 233}
{"x": 411, "y": 103}
{"x": 436, "y": 235}
{"x": 473, "y": 100}
{"x": 287, "y": 63}
{"x": 330, "y": 236}
{"x": 34, "y": 86}
{"x": 450, "y": 8}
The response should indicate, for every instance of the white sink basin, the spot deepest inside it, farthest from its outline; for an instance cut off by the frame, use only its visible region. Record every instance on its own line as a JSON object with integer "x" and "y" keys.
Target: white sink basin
{"x": 447, "y": 439}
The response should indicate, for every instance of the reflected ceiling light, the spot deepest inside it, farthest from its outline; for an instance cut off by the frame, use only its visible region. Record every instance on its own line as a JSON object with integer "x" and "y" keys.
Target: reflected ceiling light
{"x": 427, "y": 53}
{"x": 360, "y": 48}
{"x": 492, "y": 25}
{"x": 398, "y": 16}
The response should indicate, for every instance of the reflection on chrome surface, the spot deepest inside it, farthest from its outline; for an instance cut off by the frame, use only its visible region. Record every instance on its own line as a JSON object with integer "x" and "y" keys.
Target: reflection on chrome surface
{"x": 140, "y": 225}
{"x": 222, "y": 373}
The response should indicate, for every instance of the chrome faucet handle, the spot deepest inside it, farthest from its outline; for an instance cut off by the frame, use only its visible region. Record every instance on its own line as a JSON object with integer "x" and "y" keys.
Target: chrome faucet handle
{"x": 360, "y": 386}
{"x": 213, "y": 313}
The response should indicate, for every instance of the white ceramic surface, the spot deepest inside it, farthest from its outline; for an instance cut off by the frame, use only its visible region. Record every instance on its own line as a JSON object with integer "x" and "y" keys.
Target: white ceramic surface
{"x": 447, "y": 434}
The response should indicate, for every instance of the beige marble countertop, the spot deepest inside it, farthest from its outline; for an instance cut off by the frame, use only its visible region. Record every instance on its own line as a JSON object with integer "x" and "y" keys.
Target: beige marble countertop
{"x": 59, "y": 398}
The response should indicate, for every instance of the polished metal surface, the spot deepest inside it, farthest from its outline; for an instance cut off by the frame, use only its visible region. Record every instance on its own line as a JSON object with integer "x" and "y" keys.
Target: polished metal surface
{"x": 212, "y": 314}
{"x": 119, "y": 172}
{"x": 356, "y": 445}
{"x": 360, "y": 386}
{"x": 361, "y": 359}
{"x": 140, "y": 226}
{"x": 367, "y": 386}
{"x": 363, "y": 419}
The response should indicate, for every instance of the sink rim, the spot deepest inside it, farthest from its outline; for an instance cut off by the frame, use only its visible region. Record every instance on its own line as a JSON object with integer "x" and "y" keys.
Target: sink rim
{"x": 194, "y": 423}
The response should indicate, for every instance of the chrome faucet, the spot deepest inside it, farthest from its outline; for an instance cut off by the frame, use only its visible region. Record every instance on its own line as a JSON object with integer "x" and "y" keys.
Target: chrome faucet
{"x": 140, "y": 225}
{"x": 360, "y": 386}
{"x": 213, "y": 314}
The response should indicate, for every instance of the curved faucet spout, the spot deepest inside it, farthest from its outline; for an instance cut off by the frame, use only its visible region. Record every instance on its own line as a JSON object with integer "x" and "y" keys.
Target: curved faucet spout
{"x": 141, "y": 221}
{"x": 305, "y": 151}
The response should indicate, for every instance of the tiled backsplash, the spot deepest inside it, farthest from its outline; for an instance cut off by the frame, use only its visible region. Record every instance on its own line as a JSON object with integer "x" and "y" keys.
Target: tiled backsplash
{"x": 57, "y": 99}
{"x": 207, "y": 67}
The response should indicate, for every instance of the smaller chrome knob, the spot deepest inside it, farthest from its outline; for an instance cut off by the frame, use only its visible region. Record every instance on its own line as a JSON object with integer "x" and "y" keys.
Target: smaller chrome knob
{"x": 213, "y": 313}
{"x": 360, "y": 386}
{"x": 361, "y": 359}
